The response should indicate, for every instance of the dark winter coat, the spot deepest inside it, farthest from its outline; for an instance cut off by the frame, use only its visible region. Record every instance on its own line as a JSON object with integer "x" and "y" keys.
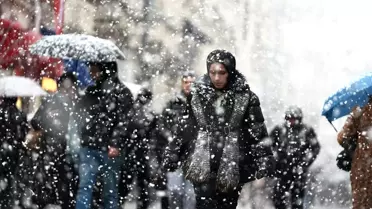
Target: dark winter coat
{"x": 227, "y": 147}
{"x": 170, "y": 120}
{"x": 140, "y": 127}
{"x": 142, "y": 123}
{"x": 137, "y": 152}
{"x": 13, "y": 130}
{"x": 47, "y": 174}
{"x": 104, "y": 114}
{"x": 296, "y": 148}
{"x": 52, "y": 120}
{"x": 166, "y": 129}
{"x": 171, "y": 117}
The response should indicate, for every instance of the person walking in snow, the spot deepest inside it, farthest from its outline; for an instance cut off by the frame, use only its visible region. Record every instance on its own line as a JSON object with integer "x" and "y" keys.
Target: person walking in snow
{"x": 180, "y": 191}
{"x": 225, "y": 148}
{"x": 52, "y": 176}
{"x": 13, "y": 129}
{"x": 104, "y": 123}
{"x": 136, "y": 160}
{"x": 355, "y": 135}
{"x": 296, "y": 147}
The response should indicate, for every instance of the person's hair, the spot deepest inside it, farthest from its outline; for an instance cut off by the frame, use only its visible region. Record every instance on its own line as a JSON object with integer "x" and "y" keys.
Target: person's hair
{"x": 67, "y": 76}
{"x": 188, "y": 73}
{"x": 293, "y": 112}
{"x": 223, "y": 57}
{"x": 108, "y": 69}
{"x": 227, "y": 59}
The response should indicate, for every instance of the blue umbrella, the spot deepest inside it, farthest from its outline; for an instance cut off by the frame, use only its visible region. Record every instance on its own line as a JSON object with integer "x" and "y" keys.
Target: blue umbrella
{"x": 344, "y": 100}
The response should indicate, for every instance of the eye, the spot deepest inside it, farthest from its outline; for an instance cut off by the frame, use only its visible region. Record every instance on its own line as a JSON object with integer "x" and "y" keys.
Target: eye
{"x": 212, "y": 72}
{"x": 222, "y": 72}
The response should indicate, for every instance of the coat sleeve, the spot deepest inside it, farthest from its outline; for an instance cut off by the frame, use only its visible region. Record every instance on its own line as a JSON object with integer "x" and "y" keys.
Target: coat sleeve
{"x": 276, "y": 143}
{"x": 256, "y": 137}
{"x": 124, "y": 105}
{"x": 313, "y": 147}
{"x": 176, "y": 143}
{"x": 275, "y": 137}
{"x": 255, "y": 129}
{"x": 40, "y": 115}
{"x": 172, "y": 149}
{"x": 167, "y": 123}
{"x": 350, "y": 128}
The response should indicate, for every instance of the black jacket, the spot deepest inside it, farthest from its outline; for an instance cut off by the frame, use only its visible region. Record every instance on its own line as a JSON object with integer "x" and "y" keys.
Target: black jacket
{"x": 170, "y": 120}
{"x": 13, "y": 130}
{"x": 52, "y": 119}
{"x": 103, "y": 113}
{"x": 294, "y": 147}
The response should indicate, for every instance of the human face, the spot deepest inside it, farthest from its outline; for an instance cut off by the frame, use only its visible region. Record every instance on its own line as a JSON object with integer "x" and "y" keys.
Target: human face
{"x": 218, "y": 75}
{"x": 68, "y": 88}
{"x": 95, "y": 72}
{"x": 292, "y": 121}
{"x": 186, "y": 84}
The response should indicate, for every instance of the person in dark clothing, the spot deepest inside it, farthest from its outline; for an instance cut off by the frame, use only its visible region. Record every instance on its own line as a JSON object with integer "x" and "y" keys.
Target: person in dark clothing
{"x": 158, "y": 174}
{"x": 226, "y": 147}
{"x": 13, "y": 129}
{"x": 180, "y": 190}
{"x": 104, "y": 118}
{"x": 296, "y": 147}
{"x": 166, "y": 128}
{"x": 52, "y": 174}
{"x": 136, "y": 157}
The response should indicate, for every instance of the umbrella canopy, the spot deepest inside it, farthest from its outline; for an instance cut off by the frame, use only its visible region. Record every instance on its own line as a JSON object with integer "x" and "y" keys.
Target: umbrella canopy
{"x": 344, "y": 100}
{"x": 78, "y": 47}
{"x": 17, "y": 86}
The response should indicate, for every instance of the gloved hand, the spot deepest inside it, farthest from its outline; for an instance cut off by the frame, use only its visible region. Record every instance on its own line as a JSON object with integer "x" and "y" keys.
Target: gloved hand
{"x": 344, "y": 160}
{"x": 261, "y": 173}
{"x": 170, "y": 163}
{"x": 266, "y": 167}
{"x": 33, "y": 140}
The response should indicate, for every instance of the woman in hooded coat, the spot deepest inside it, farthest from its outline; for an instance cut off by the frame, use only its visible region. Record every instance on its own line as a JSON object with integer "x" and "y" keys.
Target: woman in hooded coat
{"x": 225, "y": 148}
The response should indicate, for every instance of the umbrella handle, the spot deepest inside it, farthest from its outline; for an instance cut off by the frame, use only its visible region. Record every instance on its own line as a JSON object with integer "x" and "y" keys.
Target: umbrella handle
{"x": 332, "y": 125}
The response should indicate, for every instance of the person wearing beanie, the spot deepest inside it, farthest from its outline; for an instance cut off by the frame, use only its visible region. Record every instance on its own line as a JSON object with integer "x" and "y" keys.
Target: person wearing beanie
{"x": 296, "y": 147}
{"x": 226, "y": 149}
{"x": 104, "y": 118}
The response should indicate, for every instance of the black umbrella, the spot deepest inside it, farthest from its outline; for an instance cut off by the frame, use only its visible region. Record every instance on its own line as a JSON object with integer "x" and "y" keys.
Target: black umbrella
{"x": 79, "y": 47}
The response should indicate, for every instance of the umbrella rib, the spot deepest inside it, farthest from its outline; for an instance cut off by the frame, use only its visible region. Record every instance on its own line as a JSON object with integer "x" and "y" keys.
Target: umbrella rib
{"x": 332, "y": 125}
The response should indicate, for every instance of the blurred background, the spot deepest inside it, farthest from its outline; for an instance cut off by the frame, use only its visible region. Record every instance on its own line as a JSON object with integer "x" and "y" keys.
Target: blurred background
{"x": 292, "y": 52}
